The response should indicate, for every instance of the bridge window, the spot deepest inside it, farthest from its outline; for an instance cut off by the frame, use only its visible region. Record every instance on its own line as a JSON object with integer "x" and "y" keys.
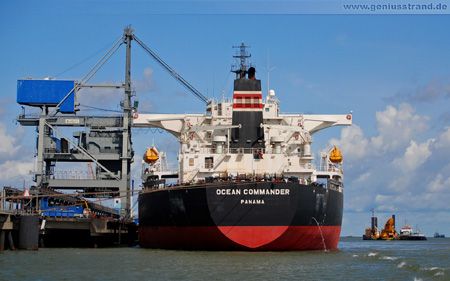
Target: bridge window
{"x": 209, "y": 162}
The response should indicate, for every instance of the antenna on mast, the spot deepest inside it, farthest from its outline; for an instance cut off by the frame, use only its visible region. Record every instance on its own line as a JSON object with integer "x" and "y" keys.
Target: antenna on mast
{"x": 268, "y": 74}
{"x": 241, "y": 64}
{"x": 268, "y": 71}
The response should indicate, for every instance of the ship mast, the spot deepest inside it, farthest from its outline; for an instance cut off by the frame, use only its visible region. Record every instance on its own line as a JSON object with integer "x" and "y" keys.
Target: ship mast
{"x": 241, "y": 64}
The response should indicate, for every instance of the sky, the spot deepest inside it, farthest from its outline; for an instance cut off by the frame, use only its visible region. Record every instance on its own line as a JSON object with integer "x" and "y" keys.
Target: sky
{"x": 391, "y": 70}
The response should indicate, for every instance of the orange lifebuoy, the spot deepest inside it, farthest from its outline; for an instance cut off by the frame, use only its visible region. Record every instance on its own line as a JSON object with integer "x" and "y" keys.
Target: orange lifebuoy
{"x": 296, "y": 137}
{"x": 135, "y": 116}
{"x": 349, "y": 117}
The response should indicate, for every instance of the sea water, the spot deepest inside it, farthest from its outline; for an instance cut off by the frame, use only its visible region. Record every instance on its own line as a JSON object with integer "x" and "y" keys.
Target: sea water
{"x": 355, "y": 259}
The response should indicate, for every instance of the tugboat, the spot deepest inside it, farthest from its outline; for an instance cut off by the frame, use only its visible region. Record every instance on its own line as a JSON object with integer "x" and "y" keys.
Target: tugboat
{"x": 246, "y": 177}
{"x": 406, "y": 233}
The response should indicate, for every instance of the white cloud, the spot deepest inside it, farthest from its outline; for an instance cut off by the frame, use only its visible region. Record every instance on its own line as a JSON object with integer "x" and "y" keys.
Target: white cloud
{"x": 362, "y": 178}
{"x": 443, "y": 139}
{"x": 385, "y": 203}
{"x": 8, "y": 147}
{"x": 3, "y": 111}
{"x": 396, "y": 127}
{"x": 358, "y": 202}
{"x": 438, "y": 185}
{"x": 146, "y": 83}
{"x": 12, "y": 171}
{"x": 396, "y": 169}
{"x": 352, "y": 143}
{"x": 414, "y": 156}
{"x": 16, "y": 156}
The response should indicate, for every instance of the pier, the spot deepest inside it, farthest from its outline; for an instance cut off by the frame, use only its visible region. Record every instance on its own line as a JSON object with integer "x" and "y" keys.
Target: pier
{"x": 59, "y": 208}
{"x": 53, "y": 219}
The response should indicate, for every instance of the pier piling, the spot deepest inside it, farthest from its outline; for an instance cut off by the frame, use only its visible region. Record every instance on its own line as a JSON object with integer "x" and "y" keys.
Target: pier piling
{"x": 29, "y": 232}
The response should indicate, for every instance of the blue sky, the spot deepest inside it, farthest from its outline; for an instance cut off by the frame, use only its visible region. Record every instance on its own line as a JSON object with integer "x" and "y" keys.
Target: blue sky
{"x": 392, "y": 71}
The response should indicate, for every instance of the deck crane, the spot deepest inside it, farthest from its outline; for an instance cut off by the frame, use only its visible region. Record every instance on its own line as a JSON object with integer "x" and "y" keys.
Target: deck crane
{"x": 171, "y": 71}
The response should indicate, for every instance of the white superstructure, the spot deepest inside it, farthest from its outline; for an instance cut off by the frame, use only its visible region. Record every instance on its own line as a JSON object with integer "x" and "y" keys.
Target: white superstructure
{"x": 206, "y": 152}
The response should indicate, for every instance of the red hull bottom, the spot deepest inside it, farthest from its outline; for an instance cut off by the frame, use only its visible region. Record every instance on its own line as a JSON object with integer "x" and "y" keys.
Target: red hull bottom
{"x": 249, "y": 238}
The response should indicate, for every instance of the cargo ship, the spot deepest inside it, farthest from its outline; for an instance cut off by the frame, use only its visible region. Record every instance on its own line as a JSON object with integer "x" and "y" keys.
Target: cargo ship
{"x": 246, "y": 178}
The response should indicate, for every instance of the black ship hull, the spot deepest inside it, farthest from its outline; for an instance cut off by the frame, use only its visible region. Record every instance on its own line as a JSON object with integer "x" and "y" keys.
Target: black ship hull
{"x": 413, "y": 237}
{"x": 256, "y": 216}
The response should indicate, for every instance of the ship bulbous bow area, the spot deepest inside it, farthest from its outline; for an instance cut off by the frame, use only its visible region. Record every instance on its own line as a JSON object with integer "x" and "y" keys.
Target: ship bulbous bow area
{"x": 236, "y": 216}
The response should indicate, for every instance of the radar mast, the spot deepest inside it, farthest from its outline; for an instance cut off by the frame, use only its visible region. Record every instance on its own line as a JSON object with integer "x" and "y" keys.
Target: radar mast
{"x": 241, "y": 63}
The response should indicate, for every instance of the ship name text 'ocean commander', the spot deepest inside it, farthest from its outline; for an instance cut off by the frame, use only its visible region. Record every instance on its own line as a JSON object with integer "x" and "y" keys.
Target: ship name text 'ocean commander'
{"x": 276, "y": 191}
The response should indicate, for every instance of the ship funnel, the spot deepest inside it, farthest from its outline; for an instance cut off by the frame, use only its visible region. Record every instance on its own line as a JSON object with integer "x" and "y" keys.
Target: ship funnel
{"x": 251, "y": 73}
